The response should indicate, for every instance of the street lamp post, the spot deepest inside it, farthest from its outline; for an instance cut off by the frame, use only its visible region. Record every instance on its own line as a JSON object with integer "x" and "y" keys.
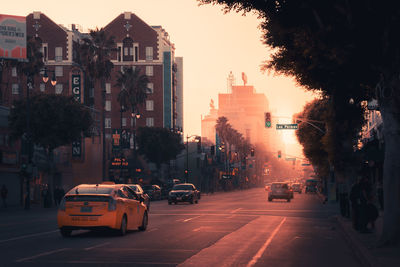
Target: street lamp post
{"x": 135, "y": 116}
{"x": 29, "y": 86}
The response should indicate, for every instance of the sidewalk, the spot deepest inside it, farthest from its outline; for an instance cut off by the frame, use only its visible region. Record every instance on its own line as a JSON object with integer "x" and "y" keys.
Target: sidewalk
{"x": 365, "y": 245}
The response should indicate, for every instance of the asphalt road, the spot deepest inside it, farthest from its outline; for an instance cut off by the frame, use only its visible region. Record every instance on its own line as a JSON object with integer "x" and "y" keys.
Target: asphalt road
{"x": 238, "y": 228}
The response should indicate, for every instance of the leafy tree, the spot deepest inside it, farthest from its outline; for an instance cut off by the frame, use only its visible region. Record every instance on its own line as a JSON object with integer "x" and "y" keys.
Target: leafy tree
{"x": 94, "y": 55}
{"x": 311, "y": 136}
{"x": 346, "y": 49}
{"x": 54, "y": 121}
{"x": 159, "y": 145}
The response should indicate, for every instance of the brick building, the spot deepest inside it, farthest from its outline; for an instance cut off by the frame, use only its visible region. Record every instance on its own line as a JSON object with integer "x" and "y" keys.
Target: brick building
{"x": 139, "y": 46}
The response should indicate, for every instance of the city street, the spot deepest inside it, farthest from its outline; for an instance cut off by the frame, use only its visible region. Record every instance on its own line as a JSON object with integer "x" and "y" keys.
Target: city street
{"x": 239, "y": 228}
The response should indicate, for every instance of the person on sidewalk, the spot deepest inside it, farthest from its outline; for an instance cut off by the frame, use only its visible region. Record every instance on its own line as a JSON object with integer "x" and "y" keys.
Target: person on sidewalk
{"x": 365, "y": 200}
{"x": 4, "y": 193}
{"x": 355, "y": 204}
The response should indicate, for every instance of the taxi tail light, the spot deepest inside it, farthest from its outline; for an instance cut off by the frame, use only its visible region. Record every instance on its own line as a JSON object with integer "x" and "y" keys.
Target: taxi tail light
{"x": 62, "y": 204}
{"x": 112, "y": 204}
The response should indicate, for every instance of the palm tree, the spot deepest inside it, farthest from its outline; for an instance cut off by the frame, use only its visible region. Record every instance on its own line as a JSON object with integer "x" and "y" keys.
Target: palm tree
{"x": 134, "y": 88}
{"x": 133, "y": 92}
{"x": 94, "y": 55}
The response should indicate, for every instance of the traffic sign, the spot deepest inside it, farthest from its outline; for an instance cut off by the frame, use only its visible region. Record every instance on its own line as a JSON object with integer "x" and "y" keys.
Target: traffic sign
{"x": 292, "y": 126}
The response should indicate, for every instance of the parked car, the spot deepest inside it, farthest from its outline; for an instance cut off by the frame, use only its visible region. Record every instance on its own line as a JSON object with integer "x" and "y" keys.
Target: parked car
{"x": 280, "y": 191}
{"x": 297, "y": 187}
{"x": 153, "y": 191}
{"x": 93, "y": 206}
{"x": 139, "y": 191}
{"x": 183, "y": 193}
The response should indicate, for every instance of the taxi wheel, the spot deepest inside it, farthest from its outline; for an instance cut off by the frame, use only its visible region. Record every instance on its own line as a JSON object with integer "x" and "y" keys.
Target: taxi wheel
{"x": 65, "y": 232}
{"x": 169, "y": 202}
{"x": 124, "y": 223}
{"x": 145, "y": 221}
{"x": 288, "y": 200}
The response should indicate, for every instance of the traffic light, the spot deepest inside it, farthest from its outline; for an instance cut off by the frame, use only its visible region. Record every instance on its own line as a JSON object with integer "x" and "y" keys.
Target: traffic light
{"x": 252, "y": 152}
{"x": 198, "y": 144}
{"x": 268, "y": 123}
{"x": 212, "y": 150}
{"x": 279, "y": 154}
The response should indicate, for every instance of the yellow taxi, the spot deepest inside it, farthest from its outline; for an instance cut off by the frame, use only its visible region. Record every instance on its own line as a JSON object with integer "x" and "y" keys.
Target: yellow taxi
{"x": 96, "y": 206}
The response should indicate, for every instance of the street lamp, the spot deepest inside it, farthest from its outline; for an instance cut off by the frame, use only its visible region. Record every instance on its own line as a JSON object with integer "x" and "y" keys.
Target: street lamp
{"x": 46, "y": 77}
{"x": 29, "y": 86}
{"x": 135, "y": 116}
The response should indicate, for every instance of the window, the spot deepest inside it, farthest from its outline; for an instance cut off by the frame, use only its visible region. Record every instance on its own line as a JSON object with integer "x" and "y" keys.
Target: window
{"x": 108, "y": 88}
{"x": 149, "y": 53}
{"x": 150, "y": 87}
{"x": 128, "y": 49}
{"x": 149, "y": 70}
{"x": 119, "y": 51}
{"x": 149, "y": 122}
{"x": 42, "y": 87}
{"x": 149, "y": 105}
{"x": 59, "y": 71}
{"x": 59, "y": 54}
{"x": 123, "y": 122}
{"x": 91, "y": 92}
{"x": 44, "y": 50}
{"x": 107, "y": 122}
{"x": 15, "y": 89}
{"x": 14, "y": 72}
{"x": 59, "y": 88}
{"x": 136, "y": 52}
{"x": 108, "y": 105}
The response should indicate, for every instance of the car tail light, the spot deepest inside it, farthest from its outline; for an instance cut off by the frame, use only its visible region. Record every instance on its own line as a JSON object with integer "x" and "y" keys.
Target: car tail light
{"x": 112, "y": 204}
{"x": 62, "y": 204}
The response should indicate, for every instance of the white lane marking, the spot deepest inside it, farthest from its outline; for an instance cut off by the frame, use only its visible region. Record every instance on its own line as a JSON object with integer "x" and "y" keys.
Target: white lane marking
{"x": 41, "y": 255}
{"x": 266, "y": 244}
{"x": 191, "y": 218}
{"x": 27, "y": 236}
{"x": 198, "y": 229}
{"x": 236, "y": 210}
{"x": 152, "y": 230}
{"x": 97, "y": 246}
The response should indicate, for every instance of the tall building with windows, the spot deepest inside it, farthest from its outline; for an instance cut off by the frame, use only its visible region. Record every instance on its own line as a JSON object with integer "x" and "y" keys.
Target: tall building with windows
{"x": 138, "y": 45}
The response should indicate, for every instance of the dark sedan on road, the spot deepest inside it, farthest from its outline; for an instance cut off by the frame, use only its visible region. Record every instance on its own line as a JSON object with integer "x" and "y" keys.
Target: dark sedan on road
{"x": 153, "y": 191}
{"x": 183, "y": 193}
{"x": 280, "y": 191}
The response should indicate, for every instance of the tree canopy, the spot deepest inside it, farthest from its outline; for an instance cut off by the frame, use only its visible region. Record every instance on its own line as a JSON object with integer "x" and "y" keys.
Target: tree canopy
{"x": 159, "y": 145}
{"x": 55, "y": 120}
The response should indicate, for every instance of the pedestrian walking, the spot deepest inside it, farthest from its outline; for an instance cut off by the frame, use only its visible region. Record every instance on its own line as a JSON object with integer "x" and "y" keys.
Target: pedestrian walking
{"x": 4, "y": 193}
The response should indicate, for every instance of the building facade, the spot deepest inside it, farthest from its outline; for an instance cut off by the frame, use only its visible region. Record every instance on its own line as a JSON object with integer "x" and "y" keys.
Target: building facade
{"x": 138, "y": 45}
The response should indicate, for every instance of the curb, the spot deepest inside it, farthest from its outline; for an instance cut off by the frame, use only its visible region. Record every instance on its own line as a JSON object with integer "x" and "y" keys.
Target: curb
{"x": 359, "y": 249}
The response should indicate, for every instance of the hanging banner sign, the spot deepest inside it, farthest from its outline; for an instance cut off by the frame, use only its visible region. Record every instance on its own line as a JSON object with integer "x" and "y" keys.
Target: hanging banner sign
{"x": 76, "y": 87}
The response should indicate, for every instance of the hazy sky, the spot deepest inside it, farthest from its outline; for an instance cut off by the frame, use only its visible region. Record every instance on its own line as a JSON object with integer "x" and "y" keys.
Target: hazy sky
{"x": 211, "y": 43}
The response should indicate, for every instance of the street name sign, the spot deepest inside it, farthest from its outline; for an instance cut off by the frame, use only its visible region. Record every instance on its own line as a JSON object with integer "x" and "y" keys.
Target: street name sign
{"x": 292, "y": 126}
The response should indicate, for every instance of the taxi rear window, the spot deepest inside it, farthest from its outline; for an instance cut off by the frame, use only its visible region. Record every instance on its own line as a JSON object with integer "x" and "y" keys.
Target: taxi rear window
{"x": 91, "y": 190}
{"x": 87, "y": 198}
